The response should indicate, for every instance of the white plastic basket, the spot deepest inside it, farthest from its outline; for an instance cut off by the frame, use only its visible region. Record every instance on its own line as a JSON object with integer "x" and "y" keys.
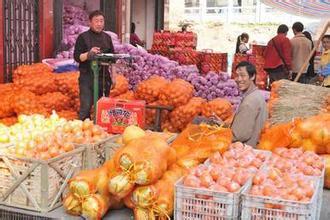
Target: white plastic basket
{"x": 266, "y": 208}
{"x": 197, "y": 204}
{"x": 200, "y": 204}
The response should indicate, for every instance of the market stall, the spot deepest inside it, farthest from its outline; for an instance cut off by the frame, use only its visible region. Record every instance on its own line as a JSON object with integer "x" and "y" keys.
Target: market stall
{"x": 53, "y": 165}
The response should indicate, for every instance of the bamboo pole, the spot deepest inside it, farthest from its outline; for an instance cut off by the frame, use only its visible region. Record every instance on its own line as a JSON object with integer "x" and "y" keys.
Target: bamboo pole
{"x": 327, "y": 25}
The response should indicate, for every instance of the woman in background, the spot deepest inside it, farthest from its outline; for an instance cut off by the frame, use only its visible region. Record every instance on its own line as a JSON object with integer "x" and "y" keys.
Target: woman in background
{"x": 134, "y": 39}
{"x": 241, "y": 44}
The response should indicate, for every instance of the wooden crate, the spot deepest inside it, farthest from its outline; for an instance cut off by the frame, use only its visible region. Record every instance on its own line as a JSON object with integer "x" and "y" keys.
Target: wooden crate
{"x": 36, "y": 184}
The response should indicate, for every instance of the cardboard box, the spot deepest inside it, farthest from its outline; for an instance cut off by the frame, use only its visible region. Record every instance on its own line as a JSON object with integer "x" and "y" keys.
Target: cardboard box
{"x": 115, "y": 115}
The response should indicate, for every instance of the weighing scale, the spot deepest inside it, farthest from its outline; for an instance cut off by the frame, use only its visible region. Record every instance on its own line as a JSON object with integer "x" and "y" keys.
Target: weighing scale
{"x": 104, "y": 60}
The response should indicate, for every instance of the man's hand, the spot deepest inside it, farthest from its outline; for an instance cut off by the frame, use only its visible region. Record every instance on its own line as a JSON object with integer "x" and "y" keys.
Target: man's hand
{"x": 93, "y": 52}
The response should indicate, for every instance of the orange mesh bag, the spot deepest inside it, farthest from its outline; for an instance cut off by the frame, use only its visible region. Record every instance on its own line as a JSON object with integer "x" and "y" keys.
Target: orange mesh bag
{"x": 72, "y": 204}
{"x": 222, "y": 108}
{"x": 67, "y": 114}
{"x": 198, "y": 142}
{"x": 121, "y": 86}
{"x": 91, "y": 181}
{"x": 314, "y": 133}
{"x": 151, "y": 114}
{"x": 55, "y": 101}
{"x": 95, "y": 206}
{"x": 67, "y": 84}
{"x": 176, "y": 93}
{"x": 159, "y": 197}
{"x": 6, "y": 95}
{"x": 150, "y": 89}
{"x": 9, "y": 120}
{"x": 276, "y": 136}
{"x": 142, "y": 161}
{"x": 25, "y": 71}
{"x": 129, "y": 95}
{"x": 37, "y": 83}
{"x": 181, "y": 116}
{"x": 25, "y": 102}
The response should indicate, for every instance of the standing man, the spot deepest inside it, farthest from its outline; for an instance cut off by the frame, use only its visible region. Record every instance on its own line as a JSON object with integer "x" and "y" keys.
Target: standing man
{"x": 251, "y": 115}
{"x": 88, "y": 44}
{"x": 278, "y": 55}
{"x": 301, "y": 48}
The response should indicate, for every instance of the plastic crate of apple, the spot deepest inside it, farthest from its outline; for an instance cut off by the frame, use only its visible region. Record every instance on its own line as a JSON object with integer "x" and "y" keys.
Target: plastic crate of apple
{"x": 39, "y": 137}
{"x": 229, "y": 171}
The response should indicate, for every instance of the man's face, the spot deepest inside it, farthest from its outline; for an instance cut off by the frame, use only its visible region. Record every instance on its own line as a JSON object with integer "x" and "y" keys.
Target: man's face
{"x": 326, "y": 43}
{"x": 242, "y": 79}
{"x": 97, "y": 23}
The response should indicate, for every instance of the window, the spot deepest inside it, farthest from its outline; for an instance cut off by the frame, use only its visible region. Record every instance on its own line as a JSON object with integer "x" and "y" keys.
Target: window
{"x": 191, "y": 3}
{"x": 216, "y": 3}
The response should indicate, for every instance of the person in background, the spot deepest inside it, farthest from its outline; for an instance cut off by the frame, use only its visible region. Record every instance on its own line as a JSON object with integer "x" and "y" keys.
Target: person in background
{"x": 301, "y": 48}
{"x": 325, "y": 61}
{"x": 184, "y": 28}
{"x": 252, "y": 112}
{"x": 241, "y": 43}
{"x": 88, "y": 44}
{"x": 134, "y": 39}
{"x": 310, "y": 71}
{"x": 278, "y": 55}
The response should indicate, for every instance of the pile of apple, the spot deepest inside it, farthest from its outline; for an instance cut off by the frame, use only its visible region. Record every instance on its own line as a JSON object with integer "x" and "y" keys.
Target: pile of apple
{"x": 227, "y": 172}
{"x": 39, "y": 137}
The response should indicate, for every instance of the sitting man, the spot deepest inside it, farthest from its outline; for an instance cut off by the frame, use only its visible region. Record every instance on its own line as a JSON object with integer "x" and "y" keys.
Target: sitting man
{"x": 251, "y": 115}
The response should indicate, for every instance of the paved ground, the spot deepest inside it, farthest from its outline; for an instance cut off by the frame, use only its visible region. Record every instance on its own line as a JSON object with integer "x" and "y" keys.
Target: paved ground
{"x": 126, "y": 214}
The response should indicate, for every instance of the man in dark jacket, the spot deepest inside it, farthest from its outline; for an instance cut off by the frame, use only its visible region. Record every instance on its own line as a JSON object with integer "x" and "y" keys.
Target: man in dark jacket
{"x": 278, "y": 55}
{"x": 89, "y": 44}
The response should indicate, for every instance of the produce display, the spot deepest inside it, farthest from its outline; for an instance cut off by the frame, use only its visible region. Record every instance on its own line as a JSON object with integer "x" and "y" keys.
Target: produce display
{"x": 121, "y": 86}
{"x": 218, "y": 107}
{"x": 140, "y": 165}
{"x": 151, "y": 89}
{"x": 37, "y": 90}
{"x": 156, "y": 199}
{"x": 196, "y": 143}
{"x": 181, "y": 116}
{"x": 43, "y": 138}
{"x": 296, "y": 161}
{"x": 164, "y": 40}
{"x": 312, "y": 134}
{"x": 227, "y": 172}
{"x": 141, "y": 174}
{"x": 286, "y": 176}
{"x": 258, "y": 60}
{"x": 278, "y": 184}
{"x": 176, "y": 93}
{"x": 89, "y": 195}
